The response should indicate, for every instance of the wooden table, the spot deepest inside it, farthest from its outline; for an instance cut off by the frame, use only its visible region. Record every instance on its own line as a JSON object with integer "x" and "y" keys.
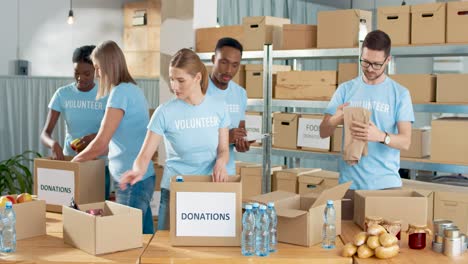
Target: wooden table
{"x": 51, "y": 249}
{"x": 406, "y": 255}
{"x": 160, "y": 251}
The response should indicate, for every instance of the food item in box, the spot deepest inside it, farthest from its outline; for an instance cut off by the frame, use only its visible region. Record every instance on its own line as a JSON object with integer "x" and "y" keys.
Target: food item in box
{"x": 24, "y": 197}
{"x": 77, "y": 145}
{"x": 9, "y": 198}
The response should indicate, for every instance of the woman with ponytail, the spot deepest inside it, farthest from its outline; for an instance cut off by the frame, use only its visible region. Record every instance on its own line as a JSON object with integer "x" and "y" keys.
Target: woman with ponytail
{"x": 195, "y": 129}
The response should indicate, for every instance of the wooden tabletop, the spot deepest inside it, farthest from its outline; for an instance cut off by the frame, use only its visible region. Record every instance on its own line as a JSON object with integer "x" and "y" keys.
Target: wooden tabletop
{"x": 406, "y": 255}
{"x": 50, "y": 248}
{"x": 160, "y": 251}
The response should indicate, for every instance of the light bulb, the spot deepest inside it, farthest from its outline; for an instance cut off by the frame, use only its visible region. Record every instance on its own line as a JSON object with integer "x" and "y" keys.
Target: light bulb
{"x": 71, "y": 18}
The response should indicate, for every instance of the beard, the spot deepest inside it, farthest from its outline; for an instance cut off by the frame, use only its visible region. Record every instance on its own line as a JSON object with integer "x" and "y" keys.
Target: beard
{"x": 371, "y": 76}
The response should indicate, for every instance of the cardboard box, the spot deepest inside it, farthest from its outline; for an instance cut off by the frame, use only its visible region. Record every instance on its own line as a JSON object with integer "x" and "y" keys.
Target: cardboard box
{"x": 258, "y": 30}
{"x": 305, "y": 85}
{"x": 337, "y": 139}
{"x": 239, "y": 78}
{"x": 30, "y": 219}
{"x": 241, "y": 164}
{"x": 408, "y": 206}
{"x": 206, "y": 38}
{"x": 253, "y": 126}
{"x": 120, "y": 228}
{"x": 420, "y": 144}
{"x": 340, "y": 28}
{"x": 422, "y": 87}
{"x": 300, "y": 218}
{"x": 457, "y": 19}
{"x": 396, "y": 22}
{"x": 285, "y": 130}
{"x": 254, "y": 79}
{"x": 308, "y": 134}
{"x": 58, "y": 181}
{"x": 452, "y": 206}
{"x": 206, "y": 213}
{"x": 447, "y": 144}
{"x": 287, "y": 180}
{"x": 252, "y": 179}
{"x": 451, "y": 88}
{"x": 295, "y": 36}
{"x": 428, "y": 23}
{"x": 143, "y": 63}
{"x": 347, "y": 72}
{"x": 145, "y": 38}
{"x": 317, "y": 181}
{"x": 151, "y": 9}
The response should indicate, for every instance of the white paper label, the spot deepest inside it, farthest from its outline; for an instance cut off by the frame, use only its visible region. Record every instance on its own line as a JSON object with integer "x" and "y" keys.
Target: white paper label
{"x": 253, "y": 125}
{"x": 55, "y": 186}
{"x": 206, "y": 214}
{"x": 308, "y": 134}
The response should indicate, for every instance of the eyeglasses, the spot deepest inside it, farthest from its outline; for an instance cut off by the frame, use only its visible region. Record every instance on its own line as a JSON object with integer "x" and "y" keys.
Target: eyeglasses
{"x": 375, "y": 66}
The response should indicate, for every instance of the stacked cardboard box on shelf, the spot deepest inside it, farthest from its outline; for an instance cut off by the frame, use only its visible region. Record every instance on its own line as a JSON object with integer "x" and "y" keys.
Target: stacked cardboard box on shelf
{"x": 308, "y": 134}
{"x": 422, "y": 87}
{"x": 254, "y": 78}
{"x": 451, "y": 88}
{"x": 347, "y": 72}
{"x": 420, "y": 144}
{"x": 206, "y": 38}
{"x": 428, "y": 23}
{"x": 258, "y": 30}
{"x": 285, "y": 130}
{"x": 446, "y": 145}
{"x": 295, "y": 36}
{"x": 457, "y": 19}
{"x": 396, "y": 22}
{"x": 142, "y": 21}
{"x": 305, "y": 85}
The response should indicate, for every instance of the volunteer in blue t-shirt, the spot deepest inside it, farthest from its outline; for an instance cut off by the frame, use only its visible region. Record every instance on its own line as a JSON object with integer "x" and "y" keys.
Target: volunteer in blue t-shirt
{"x": 123, "y": 129}
{"x": 391, "y": 118}
{"x": 194, "y": 128}
{"x": 81, "y": 111}
{"x": 226, "y": 63}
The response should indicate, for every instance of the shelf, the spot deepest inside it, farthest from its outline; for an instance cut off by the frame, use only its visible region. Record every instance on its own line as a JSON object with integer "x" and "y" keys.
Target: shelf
{"x": 316, "y": 53}
{"x": 430, "y": 107}
{"x": 406, "y": 163}
{"x": 430, "y": 50}
{"x": 246, "y": 55}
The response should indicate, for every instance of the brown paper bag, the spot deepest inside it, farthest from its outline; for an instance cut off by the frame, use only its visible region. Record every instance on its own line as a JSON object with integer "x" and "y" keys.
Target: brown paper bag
{"x": 354, "y": 149}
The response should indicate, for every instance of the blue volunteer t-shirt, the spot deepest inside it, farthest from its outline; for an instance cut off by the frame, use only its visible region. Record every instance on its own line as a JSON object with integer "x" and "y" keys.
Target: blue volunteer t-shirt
{"x": 236, "y": 104}
{"x": 389, "y": 103}
{"x": 80, "y": 110}
{"x": 129, "y": 136}
{"x": 190, "y": 135}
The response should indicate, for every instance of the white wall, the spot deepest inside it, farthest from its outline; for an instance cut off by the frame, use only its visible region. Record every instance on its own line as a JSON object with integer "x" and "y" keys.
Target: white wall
{"x": 45, "y": 38}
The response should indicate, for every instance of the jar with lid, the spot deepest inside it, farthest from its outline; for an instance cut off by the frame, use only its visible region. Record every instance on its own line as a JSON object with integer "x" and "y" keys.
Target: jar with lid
{"x": 373, "y": 220}
{"x": 417, "y": 236}
{"x": 393, "y": 227}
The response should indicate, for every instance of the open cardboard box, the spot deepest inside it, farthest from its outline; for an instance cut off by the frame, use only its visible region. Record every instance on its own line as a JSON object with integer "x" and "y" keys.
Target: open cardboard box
{"x": 205, "y": 213}
{"x": 406, "y": 205}
{"x": 30, "y": 218}
{"x": 120, "y": 228}
{"x": 300, "y": 218}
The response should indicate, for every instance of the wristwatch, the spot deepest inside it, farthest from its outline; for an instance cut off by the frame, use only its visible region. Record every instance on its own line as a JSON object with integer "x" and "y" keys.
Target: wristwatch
{"x": 386, "y": 140}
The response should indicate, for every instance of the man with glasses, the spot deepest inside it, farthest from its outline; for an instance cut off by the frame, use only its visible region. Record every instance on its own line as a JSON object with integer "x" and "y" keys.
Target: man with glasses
{"x": 389, "y": 128}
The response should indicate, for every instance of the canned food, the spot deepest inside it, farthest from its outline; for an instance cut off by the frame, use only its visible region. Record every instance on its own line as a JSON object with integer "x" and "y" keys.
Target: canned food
{"x": 439, "y": 239}
{"x": 443, "y": 226}
{"x": 452, "y": 232}
{"x": 437, "y": 222}
{"x": 437, "y": 247}
{"x": 452, "y": 247}
{"x": 463, "y": 242}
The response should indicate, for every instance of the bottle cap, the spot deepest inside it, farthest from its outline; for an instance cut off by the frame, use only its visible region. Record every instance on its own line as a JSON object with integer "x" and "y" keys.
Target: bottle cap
{"x": 248, "y": 207}
{"x": 262, "y": 207}
{"x": 9, "y": 204}
{"x": 255, "y": 205}
{"x": 179, "y": 178}
{"x": 329, "y": 202}
{"x": 271, "y": 204}
{"x": 362, "y": 20}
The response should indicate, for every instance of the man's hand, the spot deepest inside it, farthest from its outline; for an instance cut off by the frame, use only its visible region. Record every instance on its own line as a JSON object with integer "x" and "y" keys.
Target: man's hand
{"x": 365, "y": 132}
{"x": 236, "y": 134}
{"x": 242, "y": 145}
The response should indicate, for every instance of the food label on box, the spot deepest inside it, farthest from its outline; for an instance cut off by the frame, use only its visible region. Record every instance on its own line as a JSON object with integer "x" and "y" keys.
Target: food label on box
{"x": 308, "y": 134}
{"x": 55, "y": 186}
{"x": 206, "y": 214}
{"x": 253, "y": 125}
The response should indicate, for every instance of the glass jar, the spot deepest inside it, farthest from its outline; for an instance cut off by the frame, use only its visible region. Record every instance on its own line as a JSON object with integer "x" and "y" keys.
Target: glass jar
{"x": 393, "y": 227}
{"x": 373, "y": 220}
{"x": 417, "y": 236}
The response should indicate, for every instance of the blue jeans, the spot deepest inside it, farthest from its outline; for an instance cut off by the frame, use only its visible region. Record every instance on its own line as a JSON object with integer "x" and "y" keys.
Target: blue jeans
{"x": 139, "y": 196}
{"x": 163, "y": 215}
{"x": 107, "y": 180}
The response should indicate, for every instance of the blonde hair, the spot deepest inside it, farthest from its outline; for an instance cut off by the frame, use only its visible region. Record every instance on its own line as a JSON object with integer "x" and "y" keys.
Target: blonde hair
{"x": 189, "y": 61}
{"x": 111, "y": 61}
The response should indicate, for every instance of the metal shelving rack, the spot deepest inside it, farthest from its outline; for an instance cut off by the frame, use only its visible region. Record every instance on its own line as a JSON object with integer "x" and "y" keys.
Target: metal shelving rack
{"x": 267, "y": 56}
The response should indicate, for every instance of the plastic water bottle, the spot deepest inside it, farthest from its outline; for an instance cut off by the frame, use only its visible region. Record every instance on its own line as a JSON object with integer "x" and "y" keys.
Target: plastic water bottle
{"x": 248, "y": 232}
{"x": 179, "y": 178}
{"x": 329, "y": 226}
{"x": 9, "y": 230}
{"x": 271, "y": 211}
{"x": 255, "y": 210}
{"x": 362, "y": 30}
{"x": 1, "y": 228}
{"x": 261, "y": 232}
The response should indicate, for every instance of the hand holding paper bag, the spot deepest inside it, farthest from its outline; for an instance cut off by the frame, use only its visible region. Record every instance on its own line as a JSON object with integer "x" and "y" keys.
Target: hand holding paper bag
{"x": 354, "y": 148}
